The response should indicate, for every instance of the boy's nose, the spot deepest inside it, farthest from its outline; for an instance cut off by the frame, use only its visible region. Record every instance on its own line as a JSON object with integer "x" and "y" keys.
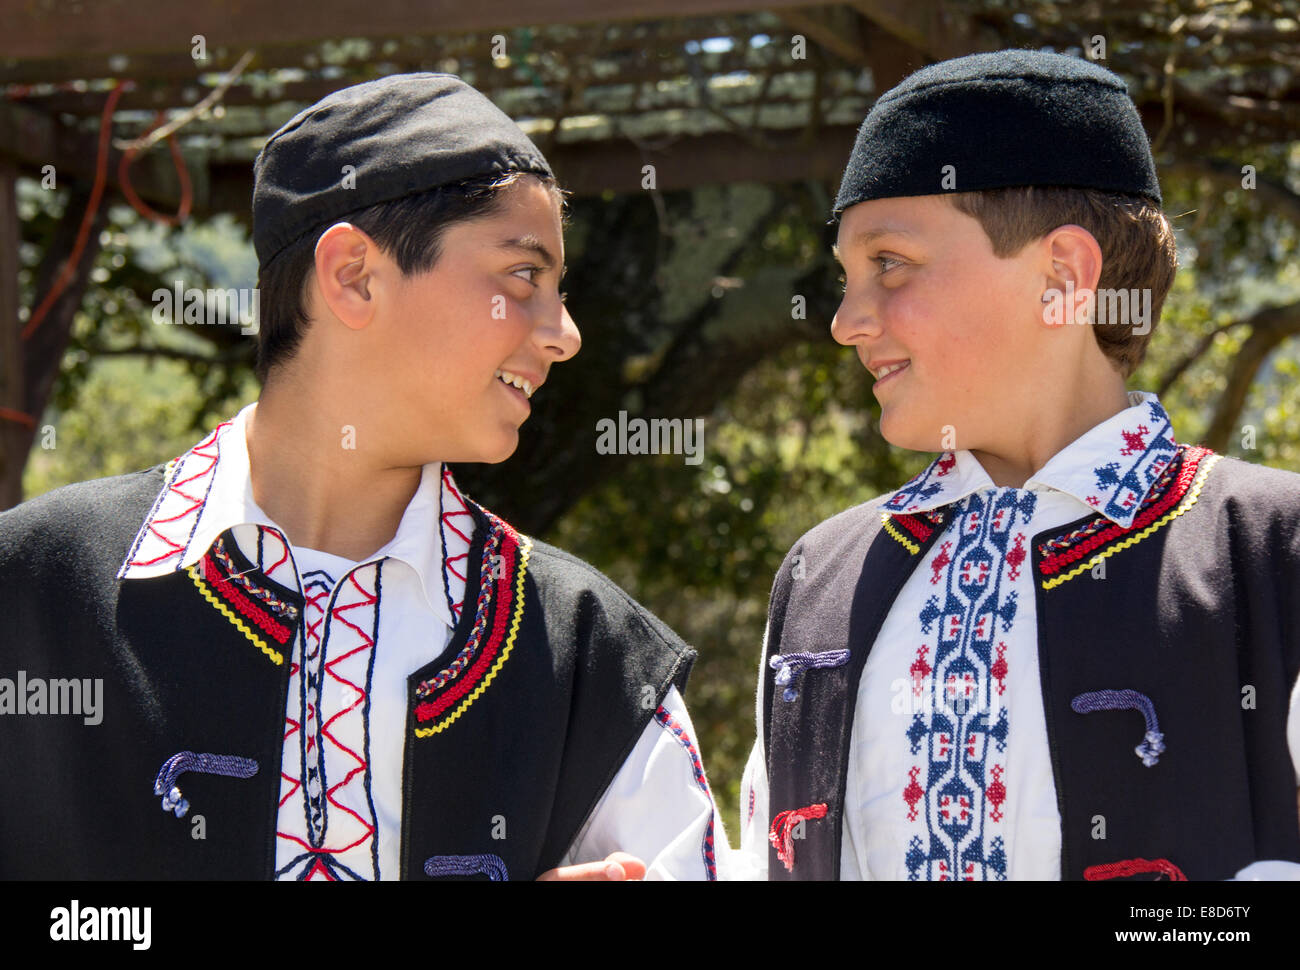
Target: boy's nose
{"x": 854, "y": 322}
{"x": 560, "y": 335}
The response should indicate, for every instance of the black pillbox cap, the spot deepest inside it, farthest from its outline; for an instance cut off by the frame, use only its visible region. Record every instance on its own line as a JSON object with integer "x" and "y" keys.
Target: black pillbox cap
{"x": 402, "y": 134}
{"x": 1002, "y": 119}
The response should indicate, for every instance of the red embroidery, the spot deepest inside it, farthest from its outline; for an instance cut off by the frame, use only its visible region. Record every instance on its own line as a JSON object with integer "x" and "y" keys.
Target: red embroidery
{"x": 1132, "y": 867}
{"x": 1061, "y": 552}
{"x": 996, "y": 794}
{"x": 914, "y": 525}
{"x": 1016, "y": 557}
{"x": 912, "y": 793}
{"x": 246, "y": 607}
{"x": 446, "y": 521}
{"x": 1133, "y": 440}
{"x": 940, "y": 562}
{"x": 432, "y": 708}
{"x": 919, "y": 669}
{"x": 999, "y": 668}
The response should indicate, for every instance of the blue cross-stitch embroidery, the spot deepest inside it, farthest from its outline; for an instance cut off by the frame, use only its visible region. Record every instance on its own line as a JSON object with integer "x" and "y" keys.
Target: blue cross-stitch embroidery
{"x": 963, "y": 787}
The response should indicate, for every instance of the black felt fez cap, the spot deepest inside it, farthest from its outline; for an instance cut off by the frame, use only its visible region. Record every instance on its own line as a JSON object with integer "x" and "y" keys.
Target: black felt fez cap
{"x": 1001, "y": 119}
{"x": 402, "y": 134}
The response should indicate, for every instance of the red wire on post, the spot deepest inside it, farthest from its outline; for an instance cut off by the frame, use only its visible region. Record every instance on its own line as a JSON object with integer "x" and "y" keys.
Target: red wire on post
{"x": 182, "y": 173}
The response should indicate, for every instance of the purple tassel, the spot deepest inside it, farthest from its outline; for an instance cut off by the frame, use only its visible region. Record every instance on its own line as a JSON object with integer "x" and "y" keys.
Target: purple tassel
{"x": 789, "y": 666}
{"x": 229, "y": 765}
{"x": 486, "y": 864}
{"x": 1153, "y": 742}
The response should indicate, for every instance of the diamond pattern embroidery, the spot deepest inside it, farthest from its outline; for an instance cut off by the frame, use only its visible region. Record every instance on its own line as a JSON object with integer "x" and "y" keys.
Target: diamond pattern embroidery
{"x": 956, "y": 792}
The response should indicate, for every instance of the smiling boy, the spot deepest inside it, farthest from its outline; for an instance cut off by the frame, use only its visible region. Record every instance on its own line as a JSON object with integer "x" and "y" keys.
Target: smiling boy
{"x": 1069, "y": 648}
{"x": 324, "y": 659}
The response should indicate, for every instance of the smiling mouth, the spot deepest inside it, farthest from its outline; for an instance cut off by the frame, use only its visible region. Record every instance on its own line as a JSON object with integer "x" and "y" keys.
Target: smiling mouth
{"x": 514, "y": 380}
{"x": 890, "y": 370}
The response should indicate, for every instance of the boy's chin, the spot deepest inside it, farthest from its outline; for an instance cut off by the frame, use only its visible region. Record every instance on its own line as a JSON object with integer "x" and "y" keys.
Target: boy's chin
{"x": 498, "y": 450}
{"x": 899, "y": 433}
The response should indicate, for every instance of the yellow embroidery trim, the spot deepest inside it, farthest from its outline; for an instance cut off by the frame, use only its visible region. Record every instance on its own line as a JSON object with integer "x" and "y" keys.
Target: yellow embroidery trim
{"x": 240, "y": 625}
{"x": 525, "y": 545}
{"x": 1188, "y": 501}
{"x": 892, "y": 529}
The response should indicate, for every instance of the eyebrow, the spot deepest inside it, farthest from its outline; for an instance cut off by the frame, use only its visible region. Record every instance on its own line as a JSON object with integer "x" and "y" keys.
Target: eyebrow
{"x": 532, "y": 243}
{"x": 870, "y": 235}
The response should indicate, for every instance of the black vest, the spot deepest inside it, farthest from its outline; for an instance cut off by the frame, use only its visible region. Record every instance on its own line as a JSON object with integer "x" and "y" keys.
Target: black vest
{"x": 560, "y": 673}
{"x": 1199, "y": 610}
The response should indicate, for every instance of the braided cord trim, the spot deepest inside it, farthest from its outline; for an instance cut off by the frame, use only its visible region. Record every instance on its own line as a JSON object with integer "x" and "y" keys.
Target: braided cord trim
{"x": 276, "y": 657}
{"x": 1188, "y": 501}
{"x": 892, "y": 529}
{"x": 525, "y": 547}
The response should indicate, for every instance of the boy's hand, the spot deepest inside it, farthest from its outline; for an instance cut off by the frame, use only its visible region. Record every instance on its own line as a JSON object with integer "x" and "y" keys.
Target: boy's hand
{"x": 617, "y": 867}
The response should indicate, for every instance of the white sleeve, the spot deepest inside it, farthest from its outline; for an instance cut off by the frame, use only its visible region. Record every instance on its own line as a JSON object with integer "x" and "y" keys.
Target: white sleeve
{"x": 659, "y": 807}
{"x": 1293, "y": 729}
{"x": 751, "y": 861}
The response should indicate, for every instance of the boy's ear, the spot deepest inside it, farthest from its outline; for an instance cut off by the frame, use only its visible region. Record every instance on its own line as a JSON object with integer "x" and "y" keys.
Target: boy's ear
{"x": 1072, "y": 260}
{"x": 345, "y": 266}
{"x": 1075, "y": 257}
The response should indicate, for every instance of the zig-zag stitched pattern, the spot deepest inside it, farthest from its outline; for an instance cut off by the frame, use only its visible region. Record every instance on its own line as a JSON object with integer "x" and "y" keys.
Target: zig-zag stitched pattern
{"x": 1097, "y": 542}
{"x": 185, "y": 519}
{"x": 494, "y": 653}
{"x": 276, "y": 657}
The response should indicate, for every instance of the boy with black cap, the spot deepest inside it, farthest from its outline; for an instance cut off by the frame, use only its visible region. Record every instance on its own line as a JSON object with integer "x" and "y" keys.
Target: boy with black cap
{"x": 309, "y": 641}
{"x": 1069, "y": 648}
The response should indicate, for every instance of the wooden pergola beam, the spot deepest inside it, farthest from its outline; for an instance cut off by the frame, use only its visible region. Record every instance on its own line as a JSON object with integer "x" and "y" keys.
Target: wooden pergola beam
{"x": 33, "y": 139}
{"x": 71, "y": 28}
{"x": 931, "y": 26}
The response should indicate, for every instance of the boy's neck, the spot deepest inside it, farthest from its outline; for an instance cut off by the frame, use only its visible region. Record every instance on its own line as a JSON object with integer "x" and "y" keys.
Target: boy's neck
{"x": 1032, "y": 444}
{"x": 325, "y": 496}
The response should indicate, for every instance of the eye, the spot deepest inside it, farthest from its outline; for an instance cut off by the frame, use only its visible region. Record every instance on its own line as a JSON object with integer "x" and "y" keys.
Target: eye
{"x": 844, "y": 283}
{"x": 880, "y": 260}
{"x": 532, "y": 272}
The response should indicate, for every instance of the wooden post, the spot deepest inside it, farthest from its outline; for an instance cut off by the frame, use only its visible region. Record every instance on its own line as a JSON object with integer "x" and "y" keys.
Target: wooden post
{"x": 14, "y": 437}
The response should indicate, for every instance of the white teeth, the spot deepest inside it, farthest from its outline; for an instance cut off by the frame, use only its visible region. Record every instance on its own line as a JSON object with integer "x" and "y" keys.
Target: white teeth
{"x": 886, "y": 371}
{"x": 516, "y": 381}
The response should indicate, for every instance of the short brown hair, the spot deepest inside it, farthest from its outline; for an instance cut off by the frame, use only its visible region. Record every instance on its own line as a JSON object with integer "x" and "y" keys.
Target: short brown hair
{"x": 1138, "y": 250}
{"x": 410, "y": 229}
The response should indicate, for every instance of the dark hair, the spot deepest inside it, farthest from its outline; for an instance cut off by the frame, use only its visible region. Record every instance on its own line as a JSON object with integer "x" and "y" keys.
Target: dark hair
{"x": 1138, "y": 250}
{"x": 409, "y": 230}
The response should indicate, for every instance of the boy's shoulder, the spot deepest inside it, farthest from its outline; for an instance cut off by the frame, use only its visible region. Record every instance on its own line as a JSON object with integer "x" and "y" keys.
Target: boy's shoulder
{"x": 1262, "y": 484}
{"x": 572, "y": 583}
{"x": 95, "y": 519}
{"x": 844, "y": 529}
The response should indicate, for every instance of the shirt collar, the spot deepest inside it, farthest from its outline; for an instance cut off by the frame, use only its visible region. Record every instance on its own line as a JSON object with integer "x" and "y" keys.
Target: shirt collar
{"x": 1110, "y": 469}
{"x": 209, "y": 490}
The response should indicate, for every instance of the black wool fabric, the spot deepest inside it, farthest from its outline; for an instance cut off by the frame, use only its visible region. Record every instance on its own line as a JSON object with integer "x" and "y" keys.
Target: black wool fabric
{"x": 1192, "y": 614}
{"x": 1002, "y": 119}
{"x": 539, "y": 747}
{"x": 402, "y": 134}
